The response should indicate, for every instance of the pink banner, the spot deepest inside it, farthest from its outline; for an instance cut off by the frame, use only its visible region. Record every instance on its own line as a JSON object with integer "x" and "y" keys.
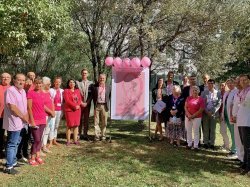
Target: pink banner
{"x": 130, "y": 93}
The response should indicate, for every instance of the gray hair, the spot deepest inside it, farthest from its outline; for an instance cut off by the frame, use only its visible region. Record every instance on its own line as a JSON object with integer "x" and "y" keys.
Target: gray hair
{"x": 177, "y": 88}
{"x": 196, "y": 88}
{"x": 46, "y": 80}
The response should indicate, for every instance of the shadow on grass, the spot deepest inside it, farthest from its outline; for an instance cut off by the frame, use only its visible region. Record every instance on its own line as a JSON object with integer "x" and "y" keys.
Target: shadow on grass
{"x": 131, "y": 148}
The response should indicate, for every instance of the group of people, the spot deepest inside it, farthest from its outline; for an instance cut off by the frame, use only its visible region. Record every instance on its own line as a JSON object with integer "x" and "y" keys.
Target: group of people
{"x": 31, "y": 110}
{"x": 192, "y": 108}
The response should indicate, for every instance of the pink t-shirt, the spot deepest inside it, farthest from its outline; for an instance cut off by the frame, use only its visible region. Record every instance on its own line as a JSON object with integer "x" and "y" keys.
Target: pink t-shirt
{"x": 48, "y": 101}
{"x": 18, "y": 98}
{"x": 2, "y": 90}
{"x": 194, "y": 104}
{"x": 38, "y": 103}
{"x": 58, "y": 101}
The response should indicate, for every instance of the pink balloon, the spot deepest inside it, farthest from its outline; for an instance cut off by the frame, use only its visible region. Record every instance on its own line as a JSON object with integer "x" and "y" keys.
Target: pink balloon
{"x": 109, "y": 61}
{"x": 117, "y": 62}
{"x": 126, "y": 62}
{"x": 145, "y": 62}
{"x": 135, "y": 62}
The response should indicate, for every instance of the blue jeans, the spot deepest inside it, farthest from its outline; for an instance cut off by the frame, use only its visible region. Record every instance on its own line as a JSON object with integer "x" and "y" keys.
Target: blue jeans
{"x": 13, "y": 140}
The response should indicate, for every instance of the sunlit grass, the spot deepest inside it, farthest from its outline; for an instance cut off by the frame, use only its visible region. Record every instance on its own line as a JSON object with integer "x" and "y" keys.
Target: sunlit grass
{"x": 130, "y": 160}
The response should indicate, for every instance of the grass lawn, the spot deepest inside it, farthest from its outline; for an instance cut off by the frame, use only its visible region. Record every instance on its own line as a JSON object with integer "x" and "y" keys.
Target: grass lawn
{"x": 130, "y": 160}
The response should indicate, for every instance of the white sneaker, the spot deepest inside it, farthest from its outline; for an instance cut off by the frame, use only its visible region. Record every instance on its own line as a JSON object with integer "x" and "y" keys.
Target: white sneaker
{"x": 45, "y": 150}
{"x": 232, "y": 156}
{"x": 23, "y": 159}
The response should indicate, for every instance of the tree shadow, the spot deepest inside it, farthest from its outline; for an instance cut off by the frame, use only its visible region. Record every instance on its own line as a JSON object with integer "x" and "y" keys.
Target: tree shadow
{"x": 158, "y": 156}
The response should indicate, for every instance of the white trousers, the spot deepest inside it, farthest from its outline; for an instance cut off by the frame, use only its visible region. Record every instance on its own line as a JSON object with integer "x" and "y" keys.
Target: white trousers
{"x": 193, "y": 125}
{"x": 57, "y": 119}
{"x": 48, "y": 131}
{"x": 223, "y": 132}
{"x": 238, "y": 144}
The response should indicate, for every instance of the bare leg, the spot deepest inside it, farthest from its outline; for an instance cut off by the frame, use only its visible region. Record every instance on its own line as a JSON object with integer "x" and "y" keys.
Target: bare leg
{"x": 68, "y": 134}
{"x": 38, "y": 154}
{"x": 171, "y": 141}
{"x": 156, "y": 130}
{"x": 54, "y": 142}
{"x": 178, "y": 142}
{"x": 50, "y": 144}
{"x": 159, "y": 127}
{"x": 75, "y": 132}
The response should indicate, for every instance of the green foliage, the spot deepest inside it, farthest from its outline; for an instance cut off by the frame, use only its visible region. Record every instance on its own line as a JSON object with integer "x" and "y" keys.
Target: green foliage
{"x": 24, "y": 24}
{"x": 65, "y": 56}
{"x": 207, "y": 33}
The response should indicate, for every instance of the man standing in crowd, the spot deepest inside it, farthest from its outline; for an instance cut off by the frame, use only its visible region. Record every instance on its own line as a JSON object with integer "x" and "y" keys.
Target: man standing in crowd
{"x": 233, "y": 119}
{"x": 204, "y": 86}
{"x": 85, "y": 87}
{"x": 185, "y": 82}
{"x": 212, "y": 99}
{"x": 15, "y": 115}
{"x": 187, "y": 90}
{"x": 5, "y": 83}
{"x": 170, "y": 82}
{"x": 243, "y": 120}
{"x": 101, "y": 97}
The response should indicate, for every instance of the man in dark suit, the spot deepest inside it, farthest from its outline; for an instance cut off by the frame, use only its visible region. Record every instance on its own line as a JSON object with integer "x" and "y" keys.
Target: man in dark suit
{"x": 101, "y": 97}
{"x": 187, "y": 90}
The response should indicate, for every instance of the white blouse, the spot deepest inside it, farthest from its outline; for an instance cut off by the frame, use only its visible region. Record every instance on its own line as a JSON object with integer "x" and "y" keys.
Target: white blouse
{"x": 243, "y": 115}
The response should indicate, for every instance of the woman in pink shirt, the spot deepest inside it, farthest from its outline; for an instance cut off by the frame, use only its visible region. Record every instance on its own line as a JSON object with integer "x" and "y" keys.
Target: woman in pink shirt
{"x": 72, "y": 109}
{"x": 37, "y": 115}
{"x": 194, "y": 107}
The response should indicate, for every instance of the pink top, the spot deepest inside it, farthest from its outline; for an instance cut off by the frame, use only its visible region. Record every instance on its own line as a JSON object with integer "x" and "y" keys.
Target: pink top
{"x": 48, "y": 101}
{"x": 58, "y": 101}
{"x": 18, "y": 98}
{"x": 38, "y": 103}
{"x": 2, "y": 90}
{"x": 101, "y": 94}
{"x": 194, "y": 104}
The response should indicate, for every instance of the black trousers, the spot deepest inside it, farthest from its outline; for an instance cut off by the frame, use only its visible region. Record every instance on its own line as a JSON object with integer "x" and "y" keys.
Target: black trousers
{"x": 1, "y": 135}
{"x": 22, "y": 150}
{"x": 245, "y": 140}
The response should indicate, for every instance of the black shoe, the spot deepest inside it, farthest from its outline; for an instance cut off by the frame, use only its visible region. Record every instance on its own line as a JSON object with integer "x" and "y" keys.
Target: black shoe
{"x": 243, "y": 166}
{"x": 188, "y": 147}
{"x": 205, "y": 146}
{"x": 212, "y": 147}
{"x": 2, "y": 155}
{"x": 244, "y": 171}
{"x": 11, "y": 171}
{"x": 231, "y": 153}
{"x": 196, "y": 149}
{"x": 17, "y": 165}
{"x": 85, "y": 137}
